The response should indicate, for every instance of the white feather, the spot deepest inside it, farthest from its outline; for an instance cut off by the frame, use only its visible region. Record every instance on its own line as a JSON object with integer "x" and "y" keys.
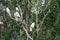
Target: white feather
{"x": 1, "y": 22}
{"x": 32, "y": 25}
{"x": 30, "y": 29}
{"x": 8, "y": 11}
{"x": 17, "y": 9}
{"x": 16, "y": 14}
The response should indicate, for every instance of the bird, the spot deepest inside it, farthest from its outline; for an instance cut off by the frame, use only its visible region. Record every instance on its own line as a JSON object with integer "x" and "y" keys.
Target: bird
{"x": 17, "y": 9}
{"x": 8, "y": 11}
{"x": 1, "y": 22}
{"x": 32, "y": 26}
{"x": 17, "y": 16}
{"x": 30, "y": 29}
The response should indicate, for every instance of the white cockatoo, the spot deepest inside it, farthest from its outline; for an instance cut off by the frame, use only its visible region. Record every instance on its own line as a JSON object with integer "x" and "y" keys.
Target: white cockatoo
{"x": 17, "y": 16}
{"x": 30, "y": 29}
{"x": 1, "y": 22}
{"x": 32, "y": 26}
{"x": 17, "y": 9}
{"x": 8, "y": 11}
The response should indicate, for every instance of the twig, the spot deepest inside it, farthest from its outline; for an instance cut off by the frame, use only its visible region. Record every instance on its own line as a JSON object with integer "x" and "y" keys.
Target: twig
{"x": 44, "y": 19}
{"x": 46, "y": 7}
{"x": 45, "y": 14}
{"x": 41, "y": 23}
{"x": 27, "y": 33}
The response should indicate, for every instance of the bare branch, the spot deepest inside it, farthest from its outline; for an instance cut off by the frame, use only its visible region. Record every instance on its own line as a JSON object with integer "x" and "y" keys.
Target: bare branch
{"x": 45, "y": 16}
{"x": 44, "y": 19}
{"x": 27, "y": 33}
{"x": 37, "y": 25}
{"x": 46, "y": 7}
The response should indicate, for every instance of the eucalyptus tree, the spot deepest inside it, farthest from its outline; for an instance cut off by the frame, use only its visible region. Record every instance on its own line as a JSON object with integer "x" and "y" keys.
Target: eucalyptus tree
{"x": 31, "y": 19}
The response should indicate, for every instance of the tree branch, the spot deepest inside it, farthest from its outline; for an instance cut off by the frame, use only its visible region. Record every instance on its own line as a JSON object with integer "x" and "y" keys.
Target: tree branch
{"x": 37, "y": 25}
{"x": 27, "y": 33}
{"x": 44, "y": 19}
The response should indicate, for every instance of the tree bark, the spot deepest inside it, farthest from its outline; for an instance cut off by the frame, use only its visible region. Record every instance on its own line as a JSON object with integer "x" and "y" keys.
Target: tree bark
{"x": 37, "y": 25}
{"x": 0, "y": 32}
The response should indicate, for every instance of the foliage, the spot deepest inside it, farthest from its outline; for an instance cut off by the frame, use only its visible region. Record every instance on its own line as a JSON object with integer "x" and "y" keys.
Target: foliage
{"x": 50, "y": 29}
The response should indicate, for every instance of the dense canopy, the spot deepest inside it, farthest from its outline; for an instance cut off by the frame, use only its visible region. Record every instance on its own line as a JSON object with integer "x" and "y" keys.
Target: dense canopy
{"x": 29, "y": 19}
